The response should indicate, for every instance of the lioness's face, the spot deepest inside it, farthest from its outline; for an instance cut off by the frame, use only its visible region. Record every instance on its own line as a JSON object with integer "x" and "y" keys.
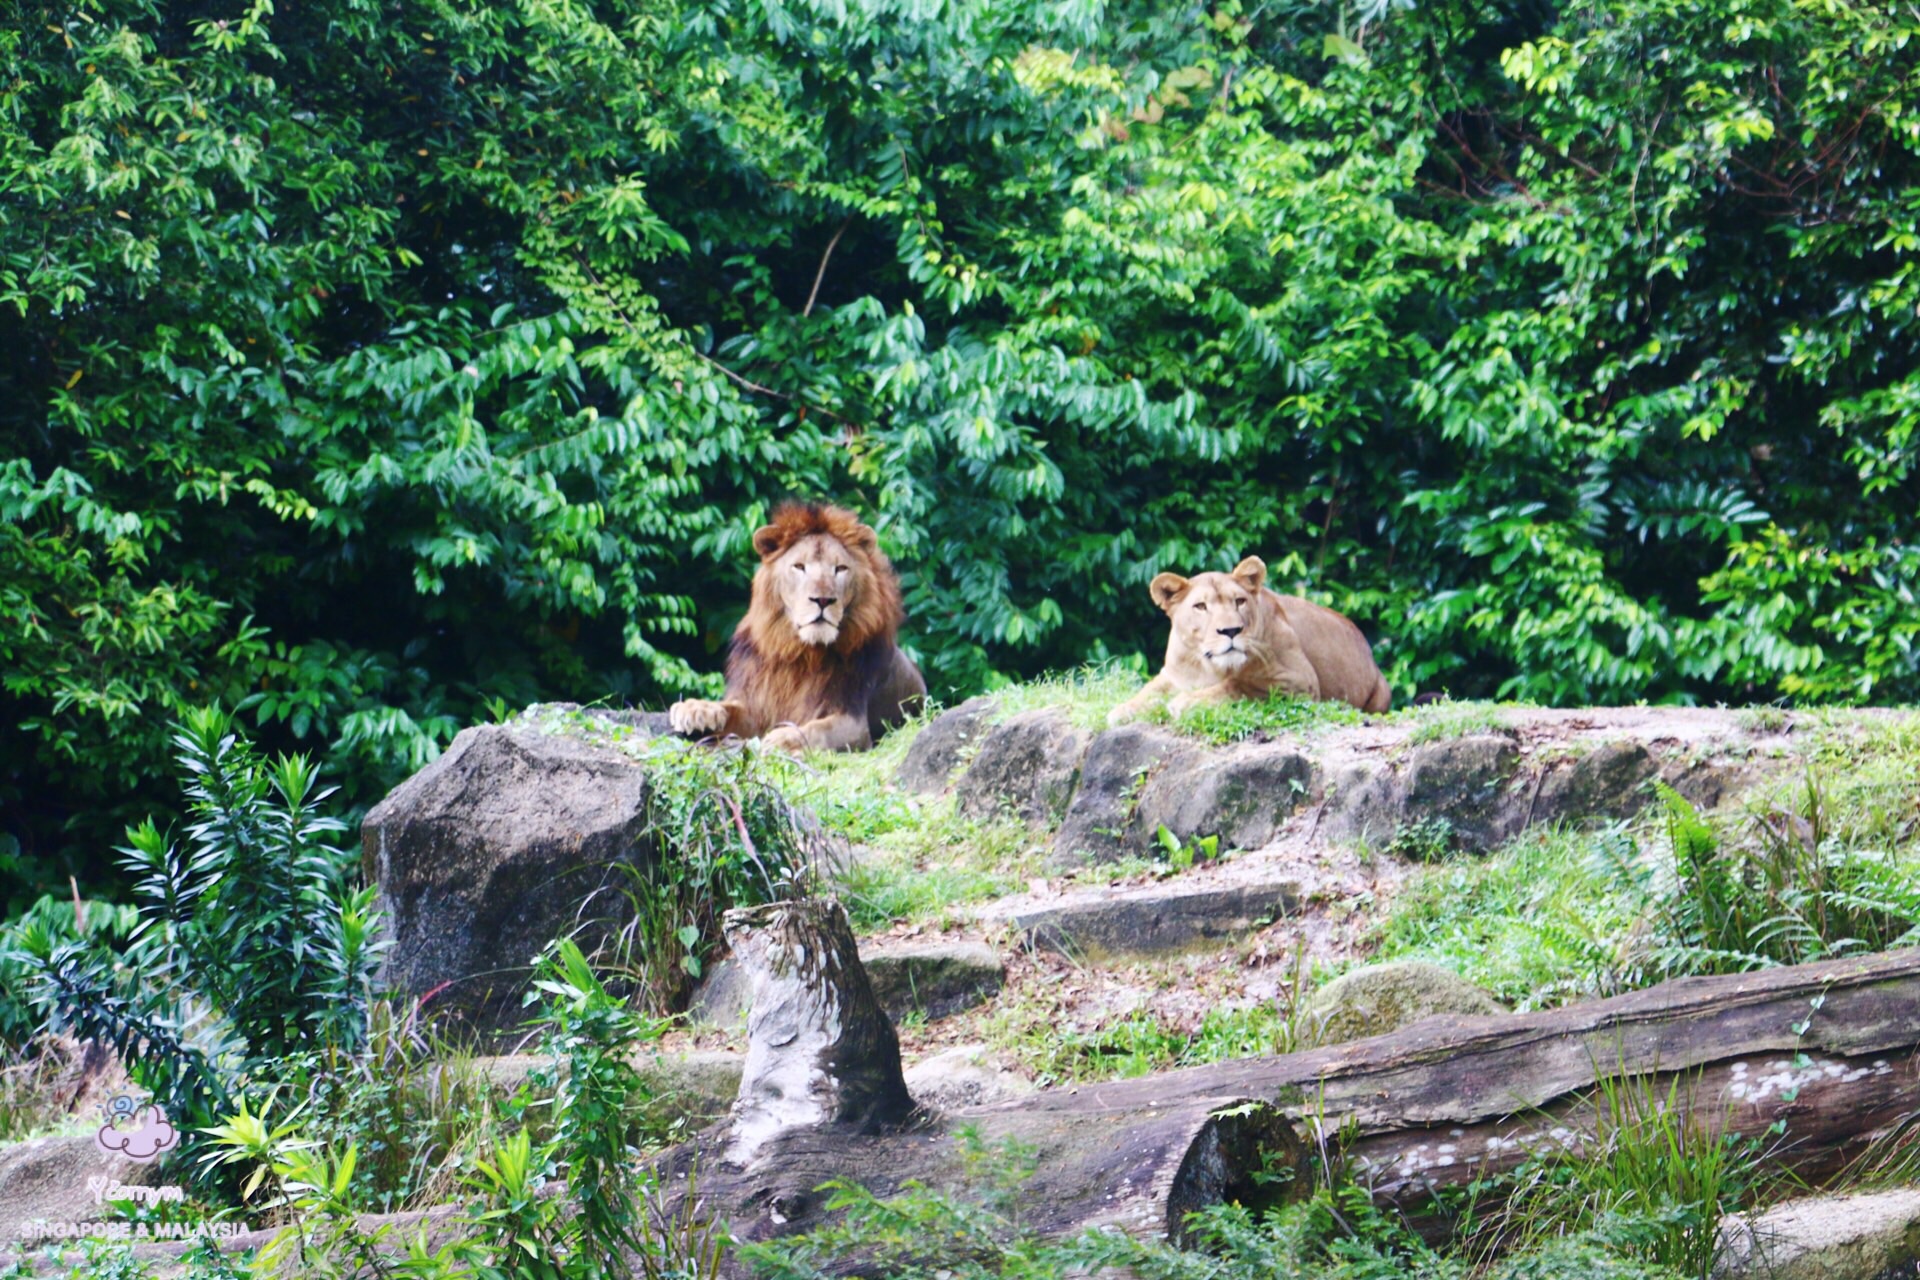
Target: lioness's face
{"x": 817, "y": 579}
{"x": 1215, "y": 615}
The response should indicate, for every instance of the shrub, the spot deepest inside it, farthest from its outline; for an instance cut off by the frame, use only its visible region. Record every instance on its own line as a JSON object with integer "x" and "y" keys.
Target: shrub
{"x": 252, "y": 947}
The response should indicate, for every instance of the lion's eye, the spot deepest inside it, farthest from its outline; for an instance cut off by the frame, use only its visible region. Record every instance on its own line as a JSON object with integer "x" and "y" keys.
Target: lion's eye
{"x": 1242, "y": 602}
{"x": 839, "y": 568}
{"x": 800, "y": 568}
{"x": 1200, "y": 604}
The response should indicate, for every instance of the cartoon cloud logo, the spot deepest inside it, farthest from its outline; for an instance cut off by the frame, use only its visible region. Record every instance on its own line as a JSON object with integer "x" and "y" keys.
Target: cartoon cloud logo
{"x": 140, "y": 1133}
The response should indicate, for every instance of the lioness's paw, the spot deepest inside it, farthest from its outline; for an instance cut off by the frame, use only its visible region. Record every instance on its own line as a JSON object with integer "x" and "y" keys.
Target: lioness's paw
{"x": 1179, "y": 706}
{"x": 787, "y": 737}
{"x": 1125, "y": 713}
{"x": 696, "y": 717}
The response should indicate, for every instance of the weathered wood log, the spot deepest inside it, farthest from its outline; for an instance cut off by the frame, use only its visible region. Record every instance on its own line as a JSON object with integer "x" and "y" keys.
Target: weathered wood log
{"x": 1824, "y": 1050}
{"x": 820, "y": 1049}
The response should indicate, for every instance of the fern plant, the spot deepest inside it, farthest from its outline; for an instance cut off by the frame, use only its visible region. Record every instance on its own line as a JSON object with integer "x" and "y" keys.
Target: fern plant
{"x": 1785, "y": 892}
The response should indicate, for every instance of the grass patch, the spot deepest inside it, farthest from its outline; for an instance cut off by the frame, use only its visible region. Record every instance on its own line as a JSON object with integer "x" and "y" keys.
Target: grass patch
{"x": 1228, "y": 722}
{"x": 1087, "y": 694}
{"x": 1812, "y": 864}
{"x": 1035, "y": 1028}
{"x": 917, "y": 857}
{"x": 1651, "y": 1165}
{"x": 1537, "y": 922}
{"x": 1440, "y": 721}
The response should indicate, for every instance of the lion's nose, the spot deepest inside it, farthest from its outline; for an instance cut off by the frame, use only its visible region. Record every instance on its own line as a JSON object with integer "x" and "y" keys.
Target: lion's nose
{"x": 1231, "y": 632}
{"x": 823, "y": 601}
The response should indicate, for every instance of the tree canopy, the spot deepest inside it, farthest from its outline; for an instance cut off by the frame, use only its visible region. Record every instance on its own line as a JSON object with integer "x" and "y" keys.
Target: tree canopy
{"x": 369, "y": 366}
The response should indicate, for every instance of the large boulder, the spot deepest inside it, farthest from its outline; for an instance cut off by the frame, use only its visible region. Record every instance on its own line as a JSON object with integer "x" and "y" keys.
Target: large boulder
{"x": 1385, "y": 997}
{"x": 1459, "y": 787}
{"x": 942, "y": 746}
{"x": 1026, "y": 766}
{"x": 1241, "y": 795}
{"x": 1101, "y": 822}
{"x": 1609, "y": 782}
{"x": 932, "y": 979}
{"x": 513, "y": 837}
{"x": 46, "y": 1181}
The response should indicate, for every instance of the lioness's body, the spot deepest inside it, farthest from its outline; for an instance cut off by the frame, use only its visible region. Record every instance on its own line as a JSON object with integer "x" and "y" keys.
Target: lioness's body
{"x": 1232, "y": 637}
{"x": 814, "y": 663}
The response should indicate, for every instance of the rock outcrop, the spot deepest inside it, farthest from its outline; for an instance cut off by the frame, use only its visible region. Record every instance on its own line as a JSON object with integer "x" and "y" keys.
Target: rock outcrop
{"x": 931, "y": 980}
{"x": 1027, "y": 766}
{"x": 513, "y": 837}
{"x": 1376, "y": 785}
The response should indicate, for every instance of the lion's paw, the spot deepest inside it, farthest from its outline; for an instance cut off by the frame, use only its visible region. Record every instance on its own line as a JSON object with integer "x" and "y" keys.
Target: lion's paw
{"x": 787, "y": 737}
{"x": 697, "y": 717}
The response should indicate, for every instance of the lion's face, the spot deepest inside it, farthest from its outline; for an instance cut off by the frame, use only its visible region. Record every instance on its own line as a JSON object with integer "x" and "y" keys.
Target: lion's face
{"x": 1217, "y": 617}
{"x": 818, "y": 580}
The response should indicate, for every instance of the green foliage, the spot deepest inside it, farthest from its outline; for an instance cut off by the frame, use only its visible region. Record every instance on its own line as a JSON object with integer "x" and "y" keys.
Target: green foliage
{"x": 1336, "y": 1234}
{"x": 722, "y": 833}
{"x": 49, "y": 923}
{"x": 253, "y": 946}
{"x": 371, "y": 365}
{"x": 1652, "y": 1176}
{"x": 1785, "y": 893}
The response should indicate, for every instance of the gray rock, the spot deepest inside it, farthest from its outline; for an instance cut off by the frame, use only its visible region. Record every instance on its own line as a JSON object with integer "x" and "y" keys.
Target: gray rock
{"x": 1608, "y": 782}
{"x": 942, "y": 745}
{"x": 510, "y": 839}
{"x": 967, "y": 1075}
{"x": 936, "y": 979}
{"x": 1181, "y": 914}
{"x": 1362, "y": 803}
{"x": 45, "y": 1180}
{"x": 652, "y": 724}
{"x": 1385, "y": 997}
{"x": 723, "y": 998}
{"x": 1870, "y": 1236}
{"x": 1460, "y": 786}
{"x": 1026, "y": 766}
{"x": 1100, "y": 824}
{"x": 1241, "y": 795}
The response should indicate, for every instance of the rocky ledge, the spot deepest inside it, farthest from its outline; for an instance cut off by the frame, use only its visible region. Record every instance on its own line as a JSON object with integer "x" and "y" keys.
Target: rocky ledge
{"x": 1392, "y": 784}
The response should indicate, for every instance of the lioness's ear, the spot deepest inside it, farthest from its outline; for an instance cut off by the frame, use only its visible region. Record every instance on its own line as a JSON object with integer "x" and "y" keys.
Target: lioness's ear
{"x": 1251, "y": 573}
{"x": 767, "y": 541}
{"x": 1167, "y": 589}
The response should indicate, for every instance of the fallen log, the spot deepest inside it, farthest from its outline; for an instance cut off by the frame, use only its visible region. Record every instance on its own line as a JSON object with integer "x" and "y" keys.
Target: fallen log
{"x": 1824, "y": 1051}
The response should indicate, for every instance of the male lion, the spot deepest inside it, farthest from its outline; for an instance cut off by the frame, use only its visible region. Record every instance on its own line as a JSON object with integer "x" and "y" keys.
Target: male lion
{"x": 1234, "y": 638}
{"x": 813, "y": 664}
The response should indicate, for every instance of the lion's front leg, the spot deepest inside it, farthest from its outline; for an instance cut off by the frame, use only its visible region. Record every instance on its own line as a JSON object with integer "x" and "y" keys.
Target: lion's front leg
{"x": 1203, "y": 696}
{"x": 701, "y": 718}
{"x": 1141, "y": 704}
{"x": 828, "y": 733}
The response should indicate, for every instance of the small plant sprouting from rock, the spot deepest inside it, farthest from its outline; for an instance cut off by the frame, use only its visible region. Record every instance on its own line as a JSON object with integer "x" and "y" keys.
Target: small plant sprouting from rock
{"x": 724, "y": 835}
{"x": 1181, "y": 856}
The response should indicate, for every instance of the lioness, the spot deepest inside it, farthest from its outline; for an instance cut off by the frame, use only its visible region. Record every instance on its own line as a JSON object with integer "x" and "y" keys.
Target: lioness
{"x": 814, "y": 664}
{"x": 1233, "y": 638}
